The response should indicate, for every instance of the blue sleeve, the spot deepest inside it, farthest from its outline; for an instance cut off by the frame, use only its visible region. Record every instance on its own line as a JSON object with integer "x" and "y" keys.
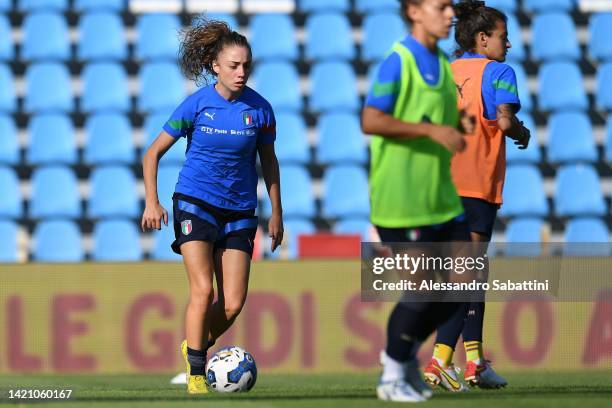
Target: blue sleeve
{"x": 505, "y": 89}
{"x": 386, "y": 84}
{"x": 267, "y": 133}
{"x": 182, "y": 120}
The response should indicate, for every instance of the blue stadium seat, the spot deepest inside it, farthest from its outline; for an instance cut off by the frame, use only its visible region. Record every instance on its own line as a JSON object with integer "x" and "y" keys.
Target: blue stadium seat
{"x": 507, "y": 6}
{"x": 45, "y": 37}
{"x": 554, "y": 37}
{"x": 225, "y": 17}
{"x": 95, "y": 5}
{"x": 36, "y": 5}
{"x": 604, "y": 88}
{"x": 369, "y": 6}
{"x": 530, "y": 155}
{"x": 539, "y": 6}
{"x": 162, "y": 240}
{"x": 9, "y": 143}
{"x": 586, "y": 237}
{"x": 578, "y": 192}
{"x": 517, "y": 52}
{"x": 600, "y": 32}
{"x": 290, "y": 248}
{"x": 291, "y": 144}
{"x": 334, "y": 87}
{"x": 10, "y": 242}
{"x": 523, "y": 192}
{"x": 345, "y": 192}
{"x": 102, "y": 37}
{"x": 162, "y": 87}
{"x": 317, "y": 6}
{"x": 116, "y": 241}
{"x": 48, "y": 88}
{"x": 571, "y": 138}
{"x": 561, "y": 87}
{"x": 167, "y": 177}
{"x": 109, "y": 139}
{"x": 522, "y": 86}
{"x": 48, "y": 248}
{"x": 524, "y": 237}
{"x": 7, "y": 49}
{"x": 10, "y": 199}
{"x": 273, "y": 37}
{"x": 157, "y": 36}
{"x": 113, "y": 193}
{"x": 152, "y": 126}
{"x": 105, "y": 88}
{"x": 329, "y": 37}
{"x": 608, "y": 147}
{"x": 279, "y": 82}
{"x": 55, "y": 193}
{"x": 296, "y": 191}
{"x": 52, "y": 140}
{"x": 358, "y": 225}
{"x": 341, "y": 140}
{"x": 380, "y": 32}
{"x": 8, "y": 98}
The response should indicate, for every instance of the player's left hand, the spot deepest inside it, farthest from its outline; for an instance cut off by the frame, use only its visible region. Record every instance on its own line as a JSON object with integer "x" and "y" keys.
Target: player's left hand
{"x": 275, "y": 231}
{"x": 523, "y": 142}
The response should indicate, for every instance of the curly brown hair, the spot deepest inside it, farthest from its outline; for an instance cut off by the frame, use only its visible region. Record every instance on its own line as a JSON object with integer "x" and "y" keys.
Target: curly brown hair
{"x": 201, "y": 44}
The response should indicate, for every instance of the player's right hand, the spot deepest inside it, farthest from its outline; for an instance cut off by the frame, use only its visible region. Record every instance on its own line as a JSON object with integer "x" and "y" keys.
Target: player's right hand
{"x": 153, "y": 216}
{"x": 449, "y": 137}
{"x": 467, "y": 121}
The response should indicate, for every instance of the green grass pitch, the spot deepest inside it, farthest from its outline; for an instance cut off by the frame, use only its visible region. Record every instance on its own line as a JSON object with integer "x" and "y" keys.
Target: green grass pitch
{"x": 529, "y": 389}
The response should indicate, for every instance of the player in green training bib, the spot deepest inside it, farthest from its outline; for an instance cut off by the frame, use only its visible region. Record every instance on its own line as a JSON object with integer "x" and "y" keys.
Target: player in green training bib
{"x": 411, "y": 111}
{"x": 419, "y": 165}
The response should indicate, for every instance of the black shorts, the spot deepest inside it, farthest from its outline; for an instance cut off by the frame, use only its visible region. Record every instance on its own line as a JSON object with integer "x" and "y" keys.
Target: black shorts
{"x": 196, "y": 220}
{"x": 480, "y": 214}
{"x": 456, "y": 229}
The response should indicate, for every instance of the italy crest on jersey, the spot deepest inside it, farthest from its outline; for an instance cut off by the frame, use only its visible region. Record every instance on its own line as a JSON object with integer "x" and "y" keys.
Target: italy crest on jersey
{"x": 413, "y": 234}
{"x": 186, "y": 227}
{"x": 247, "y": 118}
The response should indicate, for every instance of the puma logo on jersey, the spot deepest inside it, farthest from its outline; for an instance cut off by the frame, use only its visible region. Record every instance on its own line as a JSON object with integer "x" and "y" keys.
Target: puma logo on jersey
{"x": 460, "y": 87}
{"x": 210, "y": 115}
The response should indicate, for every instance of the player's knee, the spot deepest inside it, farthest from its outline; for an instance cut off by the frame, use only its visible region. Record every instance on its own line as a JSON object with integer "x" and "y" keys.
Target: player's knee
{"x": 201, "y": 293}
{"x": 233, "y": 308}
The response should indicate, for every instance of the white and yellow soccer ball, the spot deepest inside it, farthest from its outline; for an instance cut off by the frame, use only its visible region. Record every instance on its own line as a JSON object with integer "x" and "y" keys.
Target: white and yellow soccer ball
{"x": 231, "y": 369}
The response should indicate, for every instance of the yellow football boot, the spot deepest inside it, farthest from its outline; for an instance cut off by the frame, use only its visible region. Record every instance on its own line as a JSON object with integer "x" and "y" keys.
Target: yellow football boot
{"x": 196, "y": 384}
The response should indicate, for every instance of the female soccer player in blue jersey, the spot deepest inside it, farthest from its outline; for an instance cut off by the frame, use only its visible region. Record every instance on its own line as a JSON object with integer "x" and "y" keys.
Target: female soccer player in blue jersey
{"x": 226, "y": 125}
{"x": 411, "y": 111}
{"x": 487, "y": 89}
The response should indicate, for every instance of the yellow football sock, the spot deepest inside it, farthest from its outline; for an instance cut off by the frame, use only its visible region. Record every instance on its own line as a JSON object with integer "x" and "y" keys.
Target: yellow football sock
{"x": 443, "y": 353}
{"x": 473, "y": 350}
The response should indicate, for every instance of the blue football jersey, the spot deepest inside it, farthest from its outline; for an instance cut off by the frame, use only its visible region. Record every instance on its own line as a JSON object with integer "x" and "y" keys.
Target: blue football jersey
{"x": 386, "y": 86}
{"x": 499, "y": 86}
{"x": 222, "y": 140}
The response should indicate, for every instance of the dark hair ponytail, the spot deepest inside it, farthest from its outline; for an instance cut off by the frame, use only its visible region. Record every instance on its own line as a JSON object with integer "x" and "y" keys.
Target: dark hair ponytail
{"x": 202, "y": 43}
{"x": 472, "y": 18}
